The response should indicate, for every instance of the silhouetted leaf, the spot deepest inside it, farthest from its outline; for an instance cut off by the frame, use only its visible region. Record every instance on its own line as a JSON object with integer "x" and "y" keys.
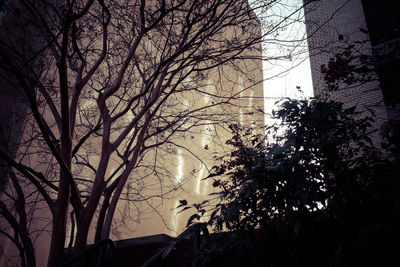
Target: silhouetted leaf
{"x": 193, "y": 217}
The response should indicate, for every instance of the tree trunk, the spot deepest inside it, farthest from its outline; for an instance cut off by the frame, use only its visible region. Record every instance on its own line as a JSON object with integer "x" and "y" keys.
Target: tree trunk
{"x": 56, "y": 253}
{"x": 102, "y": 215}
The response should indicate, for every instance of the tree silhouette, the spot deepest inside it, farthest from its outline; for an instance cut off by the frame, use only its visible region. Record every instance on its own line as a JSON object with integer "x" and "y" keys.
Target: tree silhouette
{"x": 314, "y": 192}
{"x": 104, "y": 84}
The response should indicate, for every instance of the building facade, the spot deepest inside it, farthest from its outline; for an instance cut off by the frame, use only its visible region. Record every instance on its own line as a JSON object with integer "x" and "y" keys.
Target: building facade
{"x": 348, "y": 34}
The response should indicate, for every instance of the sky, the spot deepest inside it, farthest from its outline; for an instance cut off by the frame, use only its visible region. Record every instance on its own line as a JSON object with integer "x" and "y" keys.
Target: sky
{"x": 289, "y": 76}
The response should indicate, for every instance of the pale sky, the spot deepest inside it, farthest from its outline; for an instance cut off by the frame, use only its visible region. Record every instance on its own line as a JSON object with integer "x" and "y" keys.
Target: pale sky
{"x": 283, "y": 76}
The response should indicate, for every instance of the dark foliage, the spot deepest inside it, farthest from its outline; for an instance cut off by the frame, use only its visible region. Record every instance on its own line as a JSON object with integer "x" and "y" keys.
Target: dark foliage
{"x": 356, "y": 64}
{"x": 315, "y": 192}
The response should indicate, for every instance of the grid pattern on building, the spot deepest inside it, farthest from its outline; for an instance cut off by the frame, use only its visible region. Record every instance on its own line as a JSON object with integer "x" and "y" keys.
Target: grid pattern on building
{"x": 331, "y": 26}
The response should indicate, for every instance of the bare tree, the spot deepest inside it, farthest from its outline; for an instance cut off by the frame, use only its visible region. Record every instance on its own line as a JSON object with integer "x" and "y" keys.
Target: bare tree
{"x": 112, "y": 86}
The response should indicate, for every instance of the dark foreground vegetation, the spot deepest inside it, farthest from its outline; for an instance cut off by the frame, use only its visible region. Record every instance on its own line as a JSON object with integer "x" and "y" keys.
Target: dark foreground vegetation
{"x": 315, "y": 192}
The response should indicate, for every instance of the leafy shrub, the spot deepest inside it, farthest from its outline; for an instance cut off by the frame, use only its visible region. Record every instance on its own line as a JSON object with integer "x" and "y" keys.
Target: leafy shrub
{"x": 315, "y": 190}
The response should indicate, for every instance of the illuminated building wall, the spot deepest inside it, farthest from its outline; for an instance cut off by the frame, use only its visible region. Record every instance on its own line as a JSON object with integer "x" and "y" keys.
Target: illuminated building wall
{"x": 197, "y": 150}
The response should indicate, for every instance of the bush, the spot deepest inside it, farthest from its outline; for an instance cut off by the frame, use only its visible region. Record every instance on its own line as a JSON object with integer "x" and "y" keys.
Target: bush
{"x": 315, "y": 190}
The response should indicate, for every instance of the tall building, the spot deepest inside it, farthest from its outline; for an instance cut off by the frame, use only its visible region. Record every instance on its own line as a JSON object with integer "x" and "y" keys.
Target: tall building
{"x": 383, "y": 24}
{"x": 370, "y": 31}
{"x": 199, "y": 148}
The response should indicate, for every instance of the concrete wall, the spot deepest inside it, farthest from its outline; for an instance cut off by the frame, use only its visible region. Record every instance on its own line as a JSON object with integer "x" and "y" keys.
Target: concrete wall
{"x": 199, "y": 149}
